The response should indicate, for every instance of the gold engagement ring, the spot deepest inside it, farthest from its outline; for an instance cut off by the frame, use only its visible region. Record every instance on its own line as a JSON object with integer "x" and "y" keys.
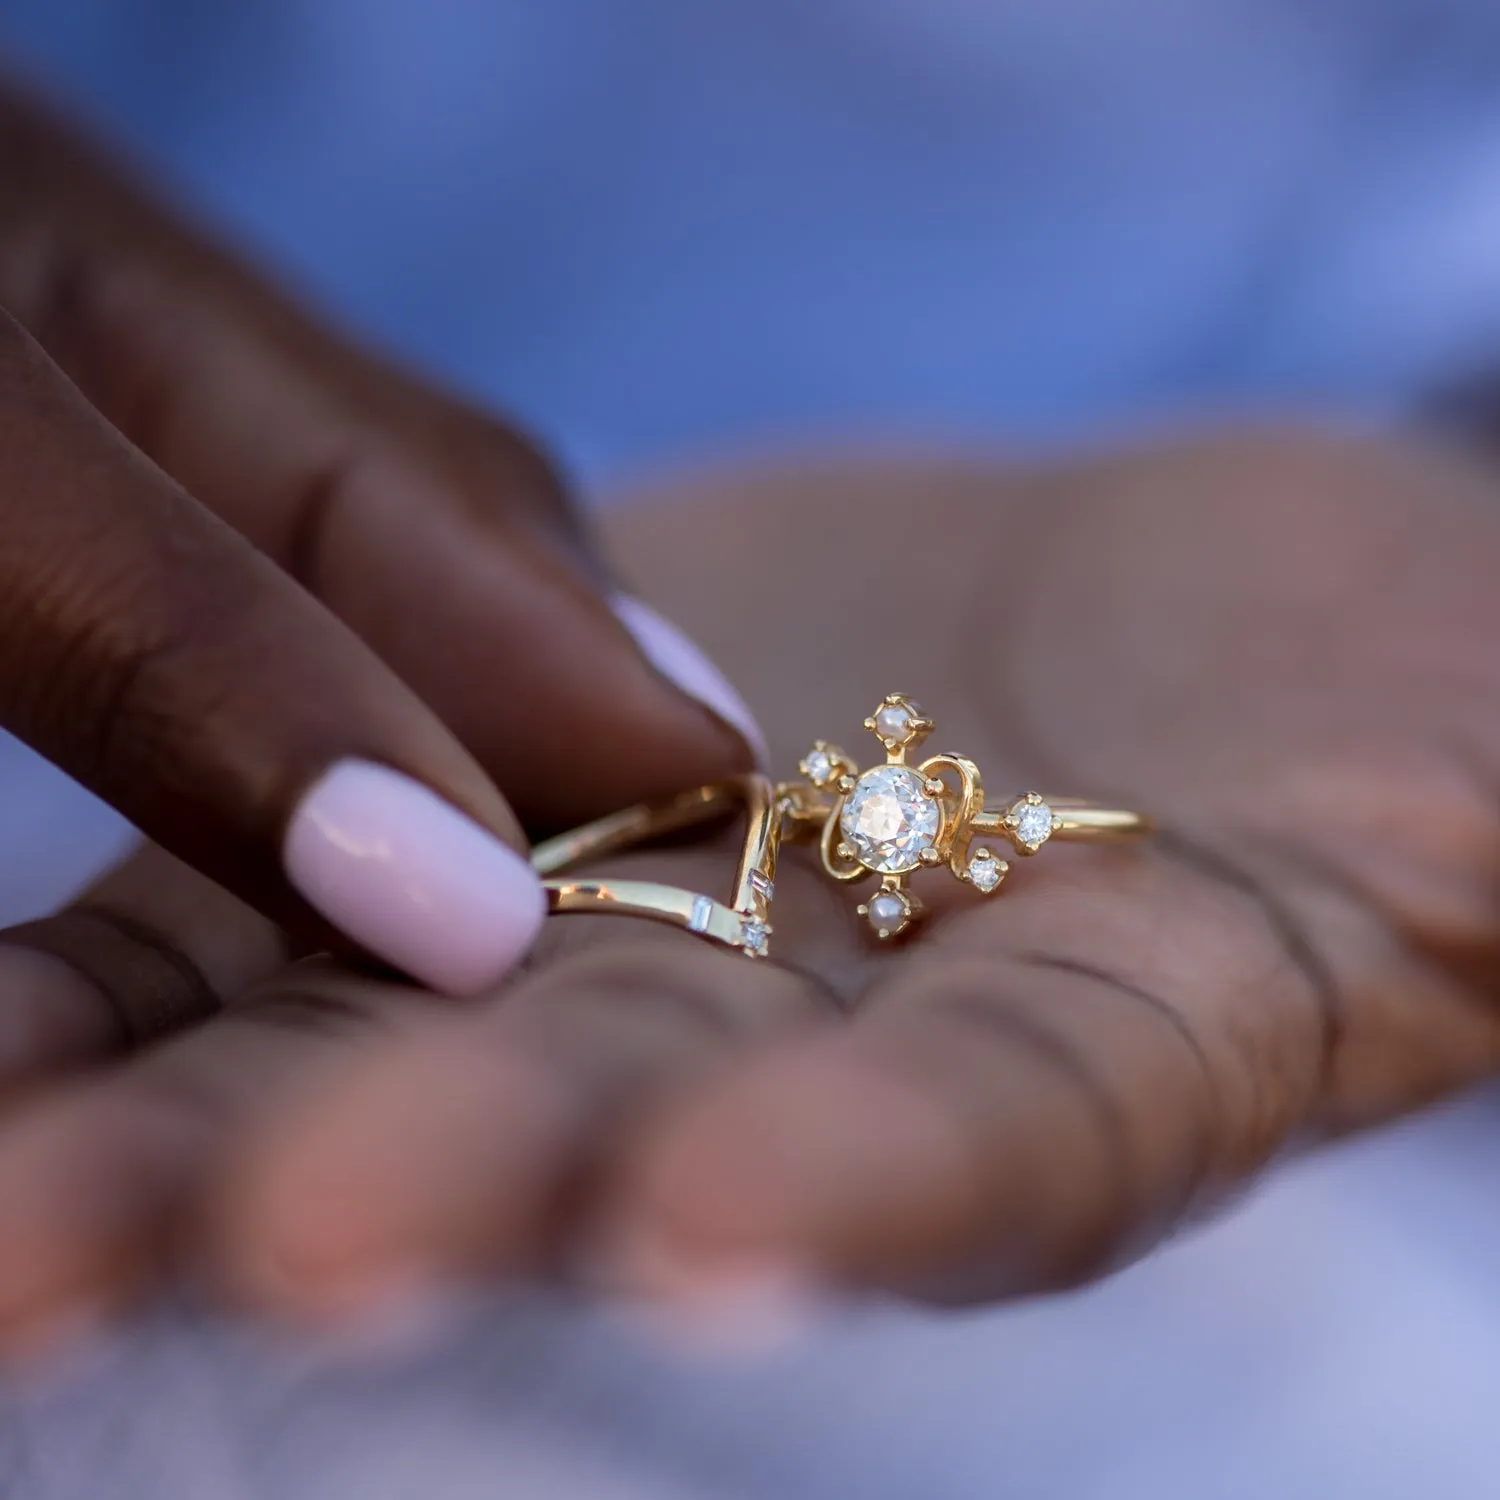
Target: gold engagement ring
{"x": 891, "y": 821}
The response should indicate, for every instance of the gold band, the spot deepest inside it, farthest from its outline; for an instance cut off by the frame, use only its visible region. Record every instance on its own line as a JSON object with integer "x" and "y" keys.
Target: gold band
{"x": 888, "y": 821}
{"x": 1077, "y": 821}
{"x": 743, "y": 923}
{"x": 635, "y": 825}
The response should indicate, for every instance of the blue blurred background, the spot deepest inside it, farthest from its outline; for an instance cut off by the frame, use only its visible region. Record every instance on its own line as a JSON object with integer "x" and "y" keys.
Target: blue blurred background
{"x": 656, "y": 227}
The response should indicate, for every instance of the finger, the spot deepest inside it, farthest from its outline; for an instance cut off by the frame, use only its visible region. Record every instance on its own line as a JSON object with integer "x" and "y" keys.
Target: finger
{"x": 151, "y": 653}
{"x": 149, "y": 949}
{"x": 100, "y": 1180}
{"x": 469, "y": 1145}
{"x": 1035, "y": 1095}
{"x": 442, "y": 537}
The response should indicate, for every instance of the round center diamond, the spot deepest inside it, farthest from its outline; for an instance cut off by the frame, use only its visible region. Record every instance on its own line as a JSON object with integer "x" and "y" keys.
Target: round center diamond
{"x": 890, "y": 819}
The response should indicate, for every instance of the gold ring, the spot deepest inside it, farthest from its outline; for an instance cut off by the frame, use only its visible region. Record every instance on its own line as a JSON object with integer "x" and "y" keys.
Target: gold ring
{"x": 891, "y": 820}
{"x": 899, "y": 817}
{"x": 743, "y": 922}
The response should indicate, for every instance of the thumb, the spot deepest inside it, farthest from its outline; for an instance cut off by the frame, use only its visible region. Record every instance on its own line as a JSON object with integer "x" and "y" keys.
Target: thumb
{"x": 157, "y": 657}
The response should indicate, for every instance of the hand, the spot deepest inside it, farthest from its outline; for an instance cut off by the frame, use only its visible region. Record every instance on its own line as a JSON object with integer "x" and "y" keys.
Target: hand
{"x": 311, "y": 704}
{"x": 1281, "y": 645}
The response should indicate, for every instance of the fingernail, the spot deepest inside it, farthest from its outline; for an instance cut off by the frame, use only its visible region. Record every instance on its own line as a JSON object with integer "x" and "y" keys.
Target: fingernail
{"x": 412, "y": 879}
{"x": 679, "y": 660}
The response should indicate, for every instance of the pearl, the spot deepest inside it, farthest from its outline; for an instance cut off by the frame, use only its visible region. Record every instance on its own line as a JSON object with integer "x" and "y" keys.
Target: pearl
{"x": 887, "y": 912}
{"x": 893, "y": 721}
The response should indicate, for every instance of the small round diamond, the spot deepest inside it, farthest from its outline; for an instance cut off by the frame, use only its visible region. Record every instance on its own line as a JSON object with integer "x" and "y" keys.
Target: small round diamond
{"x": 888, "y": 912}
{"x": 755, "y": 936}
{"x": 1033, "y": 823}
{"x": 818, "y": 766}
{"x": 985, "y": 871}
{"x": 893, "y": 721}
{"x": 889, "y": 819}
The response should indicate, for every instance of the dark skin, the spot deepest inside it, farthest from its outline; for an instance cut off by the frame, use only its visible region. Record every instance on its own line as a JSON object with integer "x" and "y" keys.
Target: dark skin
{"x": 237, "y": 549}
{"x": 1282, "y": 643}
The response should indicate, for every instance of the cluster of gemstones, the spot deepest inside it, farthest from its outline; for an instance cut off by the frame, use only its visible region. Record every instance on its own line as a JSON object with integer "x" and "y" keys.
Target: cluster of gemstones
{"x": 897, "y": 817}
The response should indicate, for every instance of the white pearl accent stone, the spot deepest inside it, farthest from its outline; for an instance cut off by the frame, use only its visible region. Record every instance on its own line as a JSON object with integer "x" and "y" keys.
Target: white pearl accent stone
{"x": 887, "y": 912}
{"x": 893, "y": 721}
{"x": 889, "y": 819}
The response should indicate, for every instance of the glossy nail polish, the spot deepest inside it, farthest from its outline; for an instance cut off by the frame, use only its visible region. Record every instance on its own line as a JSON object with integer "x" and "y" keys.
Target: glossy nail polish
{"x": 410, "y": 878}
{"x": 680, "y": 661}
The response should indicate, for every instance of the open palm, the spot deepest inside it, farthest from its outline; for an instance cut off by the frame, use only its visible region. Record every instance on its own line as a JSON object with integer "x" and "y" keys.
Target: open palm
{"x": 1285, "y": 647}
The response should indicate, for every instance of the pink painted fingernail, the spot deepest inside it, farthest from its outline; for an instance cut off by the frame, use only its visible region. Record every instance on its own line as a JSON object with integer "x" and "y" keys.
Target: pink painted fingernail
{"x": 679, "y": 660}
{"x": 409, "y": 877}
